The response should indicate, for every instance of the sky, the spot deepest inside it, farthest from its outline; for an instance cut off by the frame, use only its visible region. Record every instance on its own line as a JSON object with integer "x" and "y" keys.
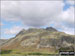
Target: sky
{"x": 18, "y": 15}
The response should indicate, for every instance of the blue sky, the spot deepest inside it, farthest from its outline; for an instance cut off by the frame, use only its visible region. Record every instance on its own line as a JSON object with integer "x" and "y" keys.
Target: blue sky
{"x": 9, "y": 25}
{"x": 9, "y": 28}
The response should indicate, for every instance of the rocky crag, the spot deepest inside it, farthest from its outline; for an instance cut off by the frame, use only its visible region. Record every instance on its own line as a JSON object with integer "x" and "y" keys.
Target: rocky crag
{"x": 40, "y": 40}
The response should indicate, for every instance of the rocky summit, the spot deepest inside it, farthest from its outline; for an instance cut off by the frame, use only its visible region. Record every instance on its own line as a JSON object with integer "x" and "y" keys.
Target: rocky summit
{"x": 40, "y": 40}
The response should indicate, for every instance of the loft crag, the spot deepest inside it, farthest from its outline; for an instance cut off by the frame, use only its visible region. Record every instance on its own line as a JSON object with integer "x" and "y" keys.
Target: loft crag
{"x": 40, "y": 40}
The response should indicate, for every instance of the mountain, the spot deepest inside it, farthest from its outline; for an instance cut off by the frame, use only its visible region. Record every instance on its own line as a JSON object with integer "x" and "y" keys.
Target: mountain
{"x": 40, "y": 40}
{"x": 2, "y": 41}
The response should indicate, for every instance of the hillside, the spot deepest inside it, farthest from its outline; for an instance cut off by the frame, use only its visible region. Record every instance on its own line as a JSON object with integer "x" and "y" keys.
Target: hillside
{"x": 47, "y": 40}
{"x": 2, "y": 41}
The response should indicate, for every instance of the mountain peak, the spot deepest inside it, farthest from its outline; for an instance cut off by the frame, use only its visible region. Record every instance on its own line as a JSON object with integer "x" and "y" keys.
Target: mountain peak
{"x": 51, "y": 29}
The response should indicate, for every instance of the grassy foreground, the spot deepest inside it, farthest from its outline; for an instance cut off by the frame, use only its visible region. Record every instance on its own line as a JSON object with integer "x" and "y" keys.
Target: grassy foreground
{"x": 22, "y": 53}
{"x": 32, "y": 55}
{"x": 18, "y": 53}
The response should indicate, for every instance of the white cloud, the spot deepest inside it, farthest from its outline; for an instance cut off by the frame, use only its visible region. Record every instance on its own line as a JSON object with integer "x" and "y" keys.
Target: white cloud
{"x": 37, "y": 13}
{"x": 32, "y": 13}
{"x": 67, "y": 19}
{"x": 9, "y": 10}
{"x": 13, "y": 30}
{"x": 68, "y": 16}
{"x": 64, "y": 28}
{"x": 69, "y": 31}
{"x": 71, "y": 2}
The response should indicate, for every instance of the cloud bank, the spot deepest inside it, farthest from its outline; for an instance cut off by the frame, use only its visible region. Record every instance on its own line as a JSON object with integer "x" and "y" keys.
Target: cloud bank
{"x": 38, "y": 13}
{"x": 32, "y": 13}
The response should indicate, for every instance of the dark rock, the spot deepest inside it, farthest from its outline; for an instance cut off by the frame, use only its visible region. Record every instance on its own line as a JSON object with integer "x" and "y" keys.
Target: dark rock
{"x": 51, "y": 29}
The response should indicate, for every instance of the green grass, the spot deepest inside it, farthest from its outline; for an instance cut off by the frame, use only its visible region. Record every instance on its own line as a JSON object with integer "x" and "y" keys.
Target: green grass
{"x": 21, "y": 53}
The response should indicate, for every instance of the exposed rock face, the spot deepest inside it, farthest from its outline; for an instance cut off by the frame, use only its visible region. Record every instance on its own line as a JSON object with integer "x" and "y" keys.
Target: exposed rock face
{"x": 51, "y": 29}
{"x": 40, "y": 38}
